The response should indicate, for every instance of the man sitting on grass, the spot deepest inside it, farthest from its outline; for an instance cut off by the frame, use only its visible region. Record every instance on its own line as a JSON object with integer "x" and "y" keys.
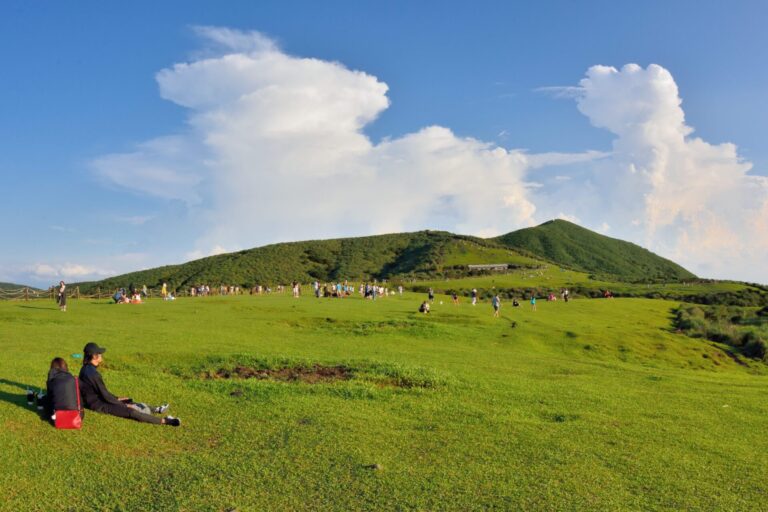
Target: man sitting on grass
{"x": 96, "y": 396}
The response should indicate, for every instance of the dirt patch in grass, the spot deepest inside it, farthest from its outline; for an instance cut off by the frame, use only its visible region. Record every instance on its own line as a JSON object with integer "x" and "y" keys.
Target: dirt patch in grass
{"x": 313, "y": 374}
{"x": 239, "y": 368}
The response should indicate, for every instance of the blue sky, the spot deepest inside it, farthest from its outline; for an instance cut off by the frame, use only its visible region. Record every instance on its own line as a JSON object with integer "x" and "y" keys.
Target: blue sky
{"x": 79, "y": 84}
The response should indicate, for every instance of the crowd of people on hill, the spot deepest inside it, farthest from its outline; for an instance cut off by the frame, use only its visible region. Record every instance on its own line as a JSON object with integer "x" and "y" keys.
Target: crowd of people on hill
{"x": 340, "y": 289}
{"x": 425, "y": 308}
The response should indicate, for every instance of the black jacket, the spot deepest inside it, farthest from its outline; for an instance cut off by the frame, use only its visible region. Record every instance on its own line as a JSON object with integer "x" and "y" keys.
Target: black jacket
{"x": 62, "y": 393}
{"x": 92, "y": 389}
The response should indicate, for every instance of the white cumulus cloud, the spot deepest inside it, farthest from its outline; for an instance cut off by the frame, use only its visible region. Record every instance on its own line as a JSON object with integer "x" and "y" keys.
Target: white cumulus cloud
{"x": 690, "y": 200}
{"x": 276, "y": 143}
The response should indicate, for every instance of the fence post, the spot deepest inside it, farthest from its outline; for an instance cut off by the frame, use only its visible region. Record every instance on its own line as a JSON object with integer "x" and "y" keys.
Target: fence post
{"x": 98, "y": 292}
{"x": 26, "y": 293}
{"x": 77, "y": 292}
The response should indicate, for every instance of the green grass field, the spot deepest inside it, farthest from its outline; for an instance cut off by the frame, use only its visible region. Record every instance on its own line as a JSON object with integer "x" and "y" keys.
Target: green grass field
{"x": 590, "y": 405}
{"x": 554, "y": 277}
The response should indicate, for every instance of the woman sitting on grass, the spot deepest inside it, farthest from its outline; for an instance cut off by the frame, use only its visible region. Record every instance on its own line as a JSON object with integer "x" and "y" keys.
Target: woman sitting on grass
{"x": 61, "y": 392}
{"x": 98, "y": 398}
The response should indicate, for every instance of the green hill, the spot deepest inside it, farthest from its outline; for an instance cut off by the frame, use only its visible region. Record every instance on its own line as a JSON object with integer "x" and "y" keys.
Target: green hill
{"x": 419, "y": 255}
{"x": 13, "y": 286}
{"x": 405, "y": 255}
{"x": 573, "y": 246}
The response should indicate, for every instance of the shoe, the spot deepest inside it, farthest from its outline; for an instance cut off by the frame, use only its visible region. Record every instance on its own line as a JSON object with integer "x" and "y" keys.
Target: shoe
{"x": 174, "y": 422}
{"x": 161, "y": 409}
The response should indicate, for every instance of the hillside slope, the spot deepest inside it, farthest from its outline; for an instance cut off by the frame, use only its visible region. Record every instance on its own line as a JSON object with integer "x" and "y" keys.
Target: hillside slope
{"x": 573, "y": 246}
{"x": 419, "y": 254}
{"x": 13, "y": 286}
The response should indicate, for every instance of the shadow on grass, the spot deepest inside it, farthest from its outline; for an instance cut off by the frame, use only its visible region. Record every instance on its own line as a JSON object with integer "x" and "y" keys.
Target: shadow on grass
{"x": 19, "y": 399}
{"x": 52, "y": 308}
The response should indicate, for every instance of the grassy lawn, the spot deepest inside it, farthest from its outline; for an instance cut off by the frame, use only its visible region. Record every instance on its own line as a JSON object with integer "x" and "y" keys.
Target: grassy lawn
{"x": 465, "y": 253}
{"x": 590, "y": 405}
{"x": 554, "y": 277}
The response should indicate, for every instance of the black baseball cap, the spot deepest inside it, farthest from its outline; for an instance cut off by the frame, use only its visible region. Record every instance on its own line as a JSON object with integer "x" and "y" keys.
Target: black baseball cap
{"x": 91, "y": 349}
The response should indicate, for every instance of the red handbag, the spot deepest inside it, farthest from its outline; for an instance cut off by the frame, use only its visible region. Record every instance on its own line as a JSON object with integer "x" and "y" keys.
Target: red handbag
{"x": 70, "y": 420}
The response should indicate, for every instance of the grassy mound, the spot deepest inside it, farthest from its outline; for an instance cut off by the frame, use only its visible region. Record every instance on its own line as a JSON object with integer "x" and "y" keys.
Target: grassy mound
{"x": 572, "y": 246}
{"x": 404, "y": 255}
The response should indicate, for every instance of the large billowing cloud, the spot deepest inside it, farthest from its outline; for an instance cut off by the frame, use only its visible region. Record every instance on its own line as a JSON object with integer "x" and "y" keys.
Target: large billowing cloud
{"x": 275, "y": 149}
{"x": 685, "y": 198}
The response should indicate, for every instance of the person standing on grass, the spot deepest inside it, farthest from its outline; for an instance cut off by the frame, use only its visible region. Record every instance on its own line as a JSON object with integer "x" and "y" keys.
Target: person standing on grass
{"x": 431, "y": 295}
{"x": 62, "y": 296}
{"x": 164, "y": 290}
{"x": 533, "y": 302}
{"x": 474, "y": 296}
{"x": 455, "y": 298}
{"x": 496, "y": 303}
{"x": 97, "y": 398}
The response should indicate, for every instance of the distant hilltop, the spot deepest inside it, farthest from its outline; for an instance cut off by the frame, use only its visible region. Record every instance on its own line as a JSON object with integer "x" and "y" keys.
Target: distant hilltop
{"x": 416, "y": 255}
{"x": 14, "y": 286}
{"x": 571, "y": 245}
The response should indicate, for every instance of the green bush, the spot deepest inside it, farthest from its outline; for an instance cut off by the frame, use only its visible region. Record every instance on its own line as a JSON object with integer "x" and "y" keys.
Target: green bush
{"x": 754, "y": 345}
{"x": 757, "y": 348}
{"x": 723, "y": 334}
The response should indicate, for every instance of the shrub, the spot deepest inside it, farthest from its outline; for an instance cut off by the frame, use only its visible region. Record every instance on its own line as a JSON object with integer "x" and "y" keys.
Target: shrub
{"x": 756, "y": 348}
{"x": 722, "y": 334}
{"x": 754, "y": 345}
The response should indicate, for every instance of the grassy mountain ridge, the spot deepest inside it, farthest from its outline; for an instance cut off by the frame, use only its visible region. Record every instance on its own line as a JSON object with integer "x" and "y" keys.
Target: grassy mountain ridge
{"x": 422, "y": 255}
{"x": 576, "y": 247}
{"x": 14, "y": 286}
{"x": 406, "y": 255}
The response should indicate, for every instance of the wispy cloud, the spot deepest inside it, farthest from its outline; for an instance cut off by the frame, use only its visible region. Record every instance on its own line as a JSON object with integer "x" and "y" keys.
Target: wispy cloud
{"x": 62, "y": 229}
{"x": 66, "y": 271}
{"x": 560, "y": 91}
{"x": 135, "y": 220}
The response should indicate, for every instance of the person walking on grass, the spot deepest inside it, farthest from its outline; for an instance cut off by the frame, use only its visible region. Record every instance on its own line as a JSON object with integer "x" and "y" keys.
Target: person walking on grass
{"x": 496, "y": 303}
{"x": 533, "y": 302}
{"x": 431, "y": 295}
{"x": 62, "y": 296}
{"x": 97, "y": 398}
{"x": 474, "y": 296}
